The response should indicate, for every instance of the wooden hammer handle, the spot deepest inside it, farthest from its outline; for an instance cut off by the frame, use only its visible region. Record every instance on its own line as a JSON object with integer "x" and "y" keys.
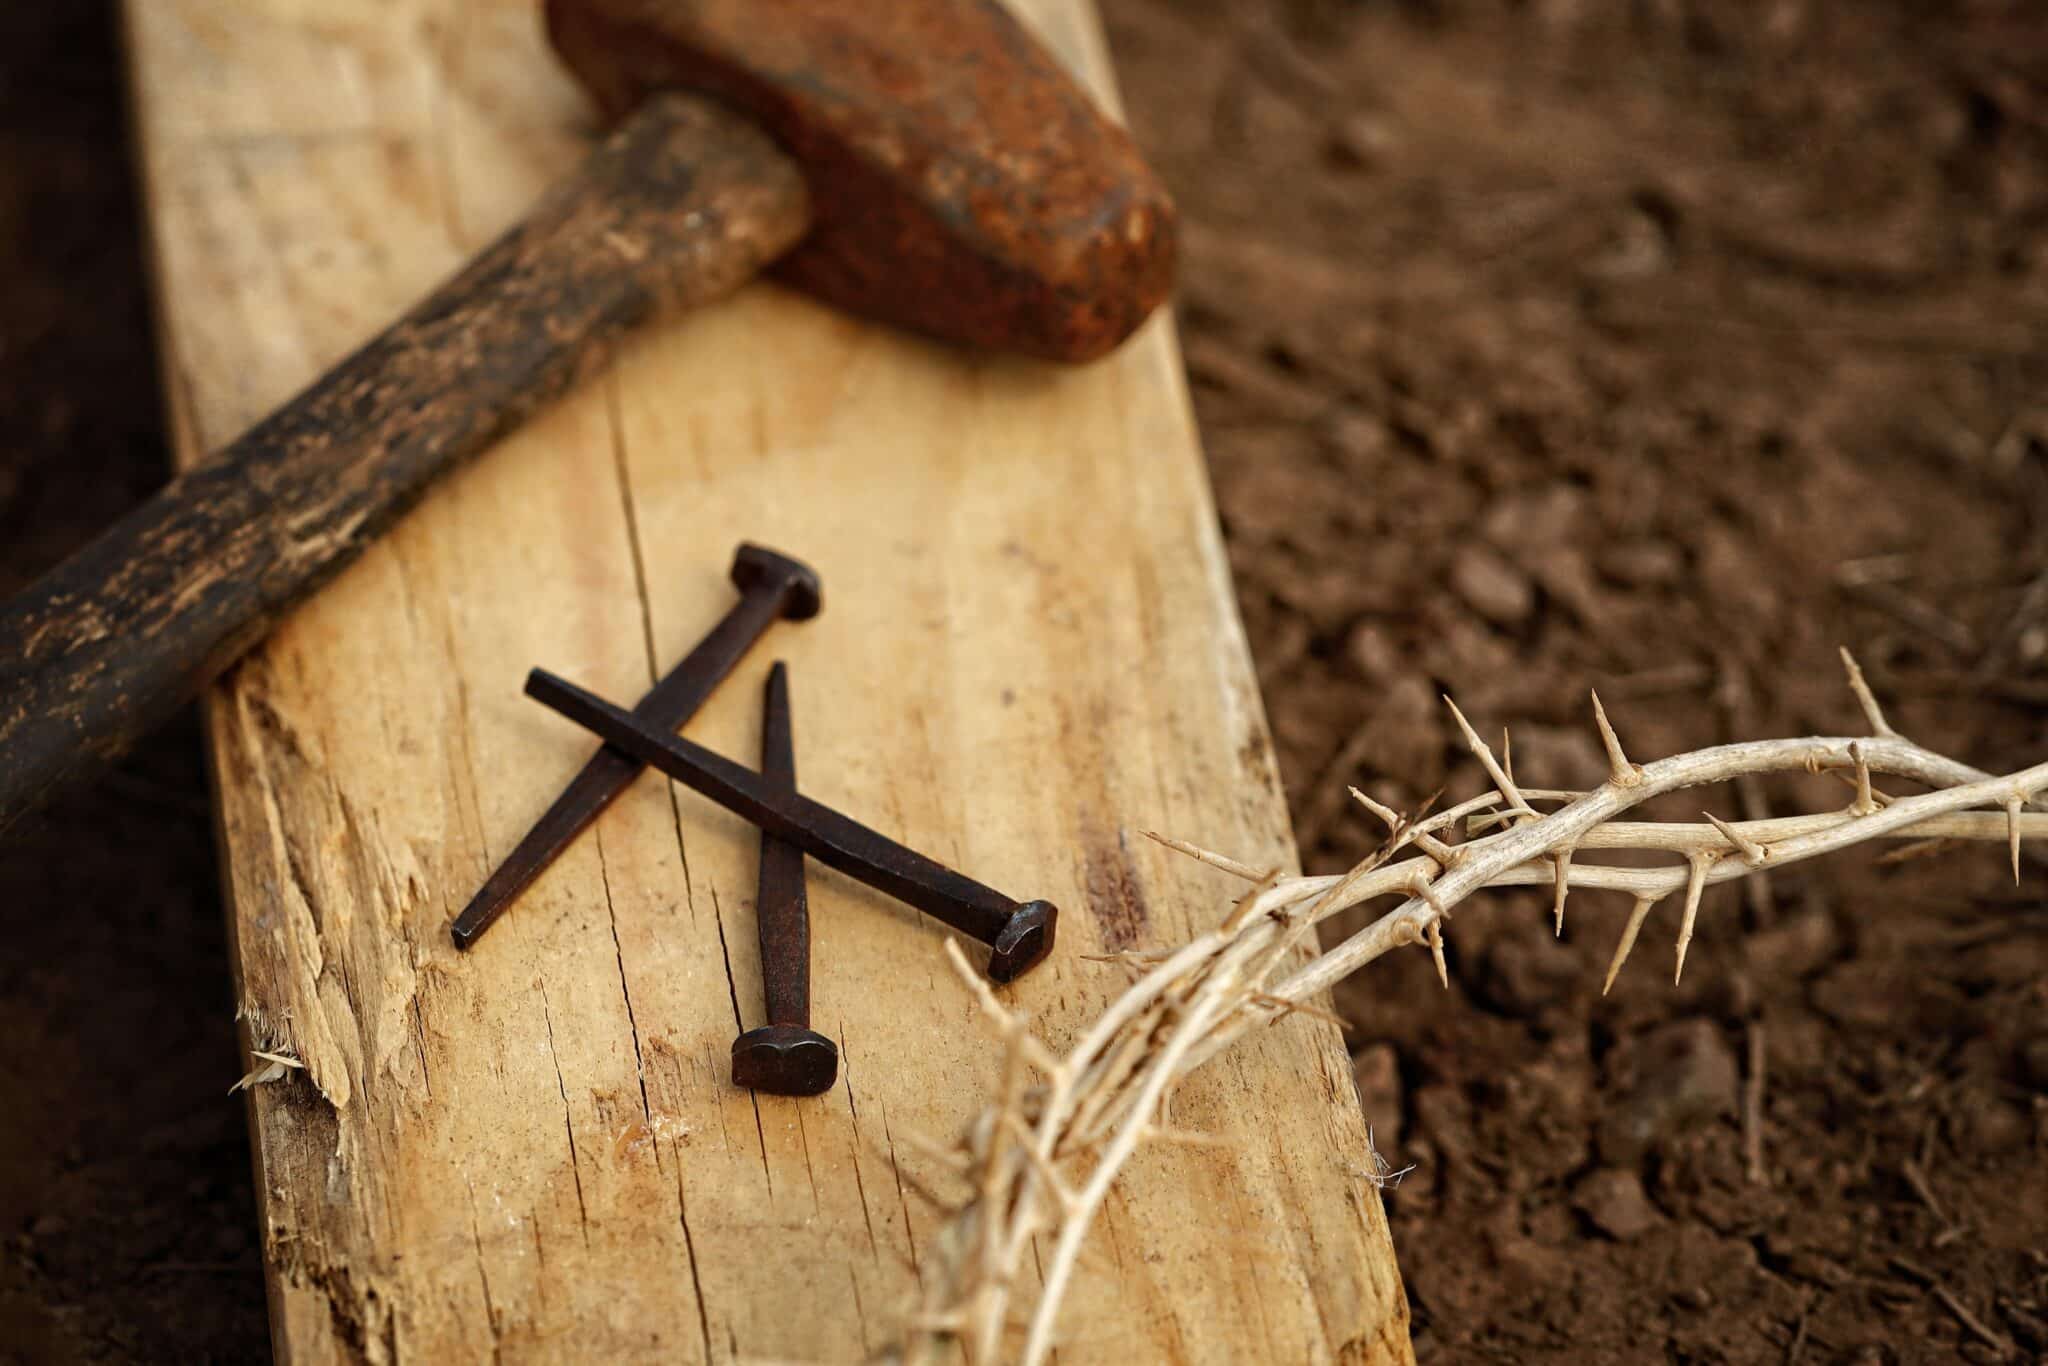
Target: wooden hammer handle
{"x": 683, "y": 203}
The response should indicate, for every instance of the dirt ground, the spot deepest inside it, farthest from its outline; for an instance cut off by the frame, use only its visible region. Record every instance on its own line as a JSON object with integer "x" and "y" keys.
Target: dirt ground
{"x": 1660, "y": 347}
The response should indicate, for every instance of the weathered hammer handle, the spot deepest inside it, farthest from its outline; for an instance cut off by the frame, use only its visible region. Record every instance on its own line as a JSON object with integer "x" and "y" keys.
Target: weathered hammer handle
{"x": 683, "y": 203}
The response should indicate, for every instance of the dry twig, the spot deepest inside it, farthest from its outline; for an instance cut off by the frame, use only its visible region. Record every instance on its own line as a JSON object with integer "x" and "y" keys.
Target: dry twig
{"x": 1042, "y": 1158}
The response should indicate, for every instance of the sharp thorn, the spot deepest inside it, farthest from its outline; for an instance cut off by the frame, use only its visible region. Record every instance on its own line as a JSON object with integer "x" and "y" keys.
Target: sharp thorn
{"x": 1459, "y": 717}
{"x": 1752, "y": 853}
{"x": 1695, "y": 883}
{"x": 1620, "y": 771}
{"x": 1201, "y": 855}
{"x": 1622, "y": 950}
{"x": 2012, "y": 832}
{"x": 1873, "y": 715}
{"x": 1865, "y": 802}
{"x": 1388, "y": 816}
{"x": 1563, "y": 859}
{"x": 1396, "y": 824}
{"x": 1436, "y": 951}
{"x": 1484, "y": 754}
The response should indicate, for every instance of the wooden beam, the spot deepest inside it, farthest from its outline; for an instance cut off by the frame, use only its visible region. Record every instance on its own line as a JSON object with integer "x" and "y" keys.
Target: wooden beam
{"x": 1029, "y": 652}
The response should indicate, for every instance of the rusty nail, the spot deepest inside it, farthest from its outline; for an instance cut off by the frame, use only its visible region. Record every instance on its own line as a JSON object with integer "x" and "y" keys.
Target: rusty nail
{"x": 1019, "y": 935}
{"x": 785, "y": 1055}
{"x": 772, "y": 586}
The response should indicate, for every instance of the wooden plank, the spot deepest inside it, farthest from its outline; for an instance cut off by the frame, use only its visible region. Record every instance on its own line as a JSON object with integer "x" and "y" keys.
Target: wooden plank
{"x": 1029, "y": 653}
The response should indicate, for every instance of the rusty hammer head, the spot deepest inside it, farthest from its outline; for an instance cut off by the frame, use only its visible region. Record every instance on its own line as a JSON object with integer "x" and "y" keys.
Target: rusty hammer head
{"x": 961, "y": 183}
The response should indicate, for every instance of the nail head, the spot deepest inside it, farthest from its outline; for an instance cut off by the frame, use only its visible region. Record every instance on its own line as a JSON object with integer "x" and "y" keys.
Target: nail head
{"x": 754, "y": 565}
{"x": 785, "y": 1060}
{"x": 1026, "y": 939}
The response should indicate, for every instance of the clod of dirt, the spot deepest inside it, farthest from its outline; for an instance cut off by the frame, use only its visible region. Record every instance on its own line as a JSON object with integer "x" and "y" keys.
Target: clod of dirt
{"x": 1996, "y": 1127}
{"x": 1637, "y": 246}
{"x": 1526, "y": 971}
{"x": 1403, "y": 734}
{"x": 1802, "y": 1263}
{"x": 1376, "y": 1071}
{"x": 2033, "y": 1060}
{"x": 1358, "y": 438}
{"x": 1796, "y": 946}
{"x": 1530, "y": 518}
{"x": 1559, "y": 756}
{"x": 1362, "y": 142}
{"x": 1615, "y": 1202}
{"x": 1845, "y": 996}
{"x": 1492, "y": 587}
{"x": 1566, "y": 573}
{"x": 1642, "y": 564}
{"x": 1372, "y": 653}
{"x": 1445, "y": 1115}
{"x": 1685, "y": 1075}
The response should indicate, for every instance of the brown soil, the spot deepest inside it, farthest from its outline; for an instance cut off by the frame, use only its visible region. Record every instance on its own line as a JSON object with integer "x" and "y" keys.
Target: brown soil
{"x": 1538, "y": 346}
{"x": 1538, "y": 349}
{"x": 127, "y": 1227}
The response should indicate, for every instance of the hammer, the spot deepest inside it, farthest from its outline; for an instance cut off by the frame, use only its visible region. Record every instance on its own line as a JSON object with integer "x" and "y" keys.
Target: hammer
{"x": 923, "y": 162}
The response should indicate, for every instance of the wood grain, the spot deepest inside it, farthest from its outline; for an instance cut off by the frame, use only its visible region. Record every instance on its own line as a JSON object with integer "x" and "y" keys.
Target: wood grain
{"x": 1028, "y": 655}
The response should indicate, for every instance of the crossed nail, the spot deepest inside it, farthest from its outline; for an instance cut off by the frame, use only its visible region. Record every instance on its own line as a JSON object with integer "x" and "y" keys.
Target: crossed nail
{"x": 785, "y": 1056}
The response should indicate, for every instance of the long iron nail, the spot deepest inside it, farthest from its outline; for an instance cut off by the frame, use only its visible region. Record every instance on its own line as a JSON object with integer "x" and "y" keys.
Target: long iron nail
{"x": 784, "y": 1056}
{"x": 772, "y": 586}
{"x": 1019, "y": 934}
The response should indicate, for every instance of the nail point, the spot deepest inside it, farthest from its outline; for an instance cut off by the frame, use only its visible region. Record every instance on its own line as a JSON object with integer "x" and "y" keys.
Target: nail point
{"x": 761, "y": 575}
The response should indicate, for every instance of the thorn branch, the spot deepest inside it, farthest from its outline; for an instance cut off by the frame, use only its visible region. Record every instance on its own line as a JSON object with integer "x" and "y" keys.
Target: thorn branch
{"x": 1039, "y": 1163}
{"x": 1398, "y": 827}
{"x": 1492, "y": 766}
